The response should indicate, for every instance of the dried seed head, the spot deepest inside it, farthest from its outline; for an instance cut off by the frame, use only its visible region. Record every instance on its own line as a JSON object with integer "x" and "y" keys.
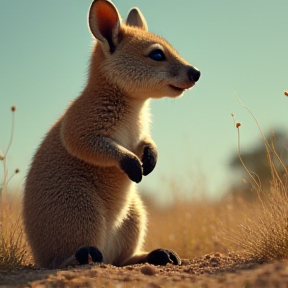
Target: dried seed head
{"x": 232, "y": 115}
{"x": 17, "y": 171}
{"x": 238, "y": 124}
{"x": 286, "y": 93}
{"x": 13, "y": 108}
{"x": 1, "y": 157}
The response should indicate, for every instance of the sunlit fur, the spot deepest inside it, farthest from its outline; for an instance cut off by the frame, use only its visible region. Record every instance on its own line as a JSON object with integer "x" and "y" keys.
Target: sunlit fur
{"x": 138, "y": 76}
{"x": 76, "y": 193}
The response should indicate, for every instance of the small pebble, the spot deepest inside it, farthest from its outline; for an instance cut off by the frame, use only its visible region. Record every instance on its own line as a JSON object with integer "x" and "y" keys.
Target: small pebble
{"x": 148, "y": 270}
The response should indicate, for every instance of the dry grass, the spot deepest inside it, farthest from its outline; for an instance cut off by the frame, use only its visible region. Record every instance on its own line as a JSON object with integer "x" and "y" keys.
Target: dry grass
{"x": 196, "y": 228}
{"x": 191, "y": 228}
{"x": 264, "y": 234}
{"x": 13, "y": 247}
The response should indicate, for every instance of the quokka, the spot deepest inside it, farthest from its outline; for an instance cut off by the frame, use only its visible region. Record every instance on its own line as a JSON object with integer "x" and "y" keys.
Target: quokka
{"x": 80, "y": 201}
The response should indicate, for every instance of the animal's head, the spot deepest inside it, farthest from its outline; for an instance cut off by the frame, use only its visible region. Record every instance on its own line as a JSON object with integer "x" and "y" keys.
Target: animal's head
{"x": 142, "y": 64}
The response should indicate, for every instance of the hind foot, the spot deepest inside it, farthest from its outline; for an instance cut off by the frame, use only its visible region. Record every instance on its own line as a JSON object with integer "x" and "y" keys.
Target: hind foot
{"x": 88, "y": 254}
{"x": 163, "y": 257}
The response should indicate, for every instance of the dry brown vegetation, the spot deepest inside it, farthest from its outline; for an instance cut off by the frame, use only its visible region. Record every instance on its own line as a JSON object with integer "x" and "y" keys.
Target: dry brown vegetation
{"x": 13, "y": 247}
{"x": 257, "y": 231}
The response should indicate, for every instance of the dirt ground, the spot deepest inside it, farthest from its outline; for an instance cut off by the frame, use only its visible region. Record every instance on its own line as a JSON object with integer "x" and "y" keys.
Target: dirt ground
{"x": 213, "y": 270}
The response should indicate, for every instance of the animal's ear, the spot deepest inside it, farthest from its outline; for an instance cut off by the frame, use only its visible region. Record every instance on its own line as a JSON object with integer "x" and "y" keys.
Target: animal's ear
{"x": 104, "y": 22}
{"x": 135, "y": 18}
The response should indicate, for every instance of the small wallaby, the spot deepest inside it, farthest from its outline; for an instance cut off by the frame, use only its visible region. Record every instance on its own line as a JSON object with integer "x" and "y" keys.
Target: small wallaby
{"x": 80, "y": 201}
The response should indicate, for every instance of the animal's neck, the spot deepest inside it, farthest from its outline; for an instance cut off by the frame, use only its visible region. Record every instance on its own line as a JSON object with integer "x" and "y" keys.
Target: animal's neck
{"x": 96, "y": 62}
{"x": 130, "y": 111}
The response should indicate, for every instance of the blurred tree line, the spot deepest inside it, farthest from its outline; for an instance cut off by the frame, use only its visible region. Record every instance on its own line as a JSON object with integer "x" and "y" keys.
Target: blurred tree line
{"x": 257, "y": 162}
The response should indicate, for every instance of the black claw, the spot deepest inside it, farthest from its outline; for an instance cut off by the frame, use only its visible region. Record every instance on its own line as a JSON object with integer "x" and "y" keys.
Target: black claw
{"x": 174, "y": 257}
{"x": 162, "y": 257}
{"x": 149, "y": 160}
{"x": 82, "y": 255}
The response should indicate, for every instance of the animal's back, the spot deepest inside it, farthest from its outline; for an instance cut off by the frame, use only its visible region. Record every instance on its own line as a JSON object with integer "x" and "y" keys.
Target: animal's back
{"x": 69, "y": 201}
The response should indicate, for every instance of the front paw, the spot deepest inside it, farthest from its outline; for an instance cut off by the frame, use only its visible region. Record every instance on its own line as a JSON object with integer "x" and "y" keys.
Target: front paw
{"x": 163, "y": 257}
{"x": 132, "y": 167}
{"x": 149, "y": 159}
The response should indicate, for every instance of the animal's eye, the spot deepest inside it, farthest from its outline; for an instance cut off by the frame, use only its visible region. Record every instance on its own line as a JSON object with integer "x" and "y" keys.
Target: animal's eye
{"x": 157, "y": 55}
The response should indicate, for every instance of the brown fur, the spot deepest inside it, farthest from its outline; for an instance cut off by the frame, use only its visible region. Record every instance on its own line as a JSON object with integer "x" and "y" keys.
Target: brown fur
{"x": 77, "y": 192}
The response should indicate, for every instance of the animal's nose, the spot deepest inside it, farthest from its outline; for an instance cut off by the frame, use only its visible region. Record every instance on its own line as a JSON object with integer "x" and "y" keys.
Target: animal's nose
{"x": 194, "y": 74}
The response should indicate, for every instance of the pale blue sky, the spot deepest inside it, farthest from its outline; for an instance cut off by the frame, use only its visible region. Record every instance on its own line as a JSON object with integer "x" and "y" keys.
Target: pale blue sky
{"x": 239, "y": 46}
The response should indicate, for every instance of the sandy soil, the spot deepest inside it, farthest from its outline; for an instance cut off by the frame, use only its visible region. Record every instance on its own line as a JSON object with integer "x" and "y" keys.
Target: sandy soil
{"x": 213, "y": 270}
